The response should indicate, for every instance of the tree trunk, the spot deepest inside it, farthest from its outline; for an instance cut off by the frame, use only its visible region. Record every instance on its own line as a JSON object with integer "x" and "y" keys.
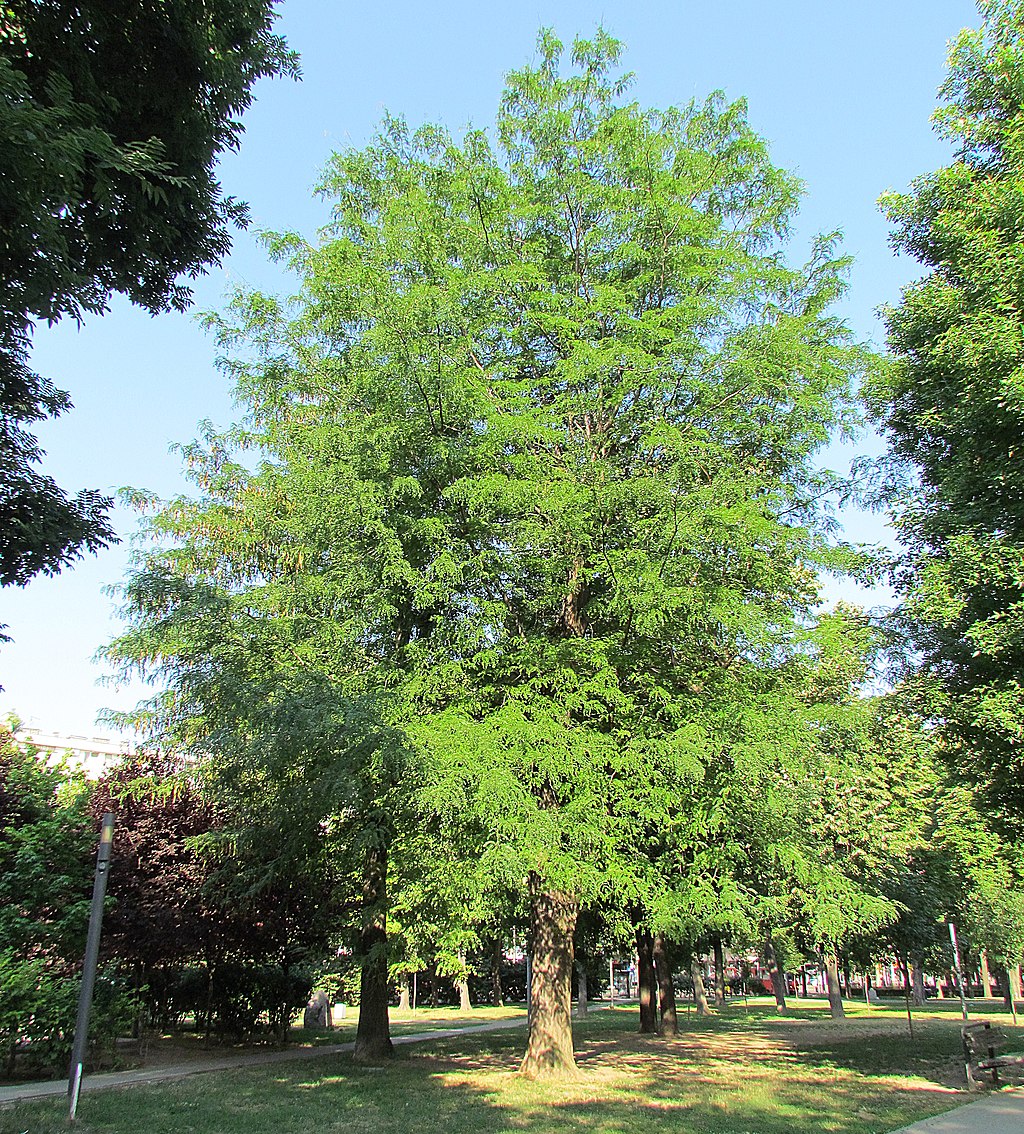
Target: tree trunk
{"x": 1013, "y": 989}
{"x": 581, "y": 990}
{"x": 646, "y": 981}
{"x": 666, "y": 989}
{"x": 700, "y": 996}
{"x": 986, "y": 976}
{"x": 719, "y": 974}
{"x": 776, "y": 973}
{"x": 373, "y": 1034}
{"x": 284, "y": 1008}
{"x": 497, "y": 956}
{"x": 917, "y": 982}
{"x": 549, "y": 1051}
{"x": 835, "y": 996}
{"x": 403, "y": 994}
{"x": 462, "y": 984}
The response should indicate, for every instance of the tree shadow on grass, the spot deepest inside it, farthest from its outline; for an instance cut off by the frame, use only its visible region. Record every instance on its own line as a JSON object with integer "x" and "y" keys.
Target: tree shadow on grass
{"x": 629, "y": 1084}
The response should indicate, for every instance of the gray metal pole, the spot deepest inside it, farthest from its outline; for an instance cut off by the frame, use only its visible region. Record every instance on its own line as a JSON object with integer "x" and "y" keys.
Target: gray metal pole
{"x": 92, "y": 949}
{"x": 959, "y": 973}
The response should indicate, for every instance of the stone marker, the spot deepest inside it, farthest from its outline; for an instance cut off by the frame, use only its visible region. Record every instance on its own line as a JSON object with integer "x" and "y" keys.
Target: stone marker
{"x": 317, "y": 1015}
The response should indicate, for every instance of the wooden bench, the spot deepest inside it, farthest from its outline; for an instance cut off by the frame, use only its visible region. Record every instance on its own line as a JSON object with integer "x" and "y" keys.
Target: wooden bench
{"x": 982, "y": 1045}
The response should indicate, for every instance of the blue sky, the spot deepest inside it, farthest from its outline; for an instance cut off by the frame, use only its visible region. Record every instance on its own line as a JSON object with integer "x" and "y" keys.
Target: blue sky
{"x": 842, "y": 92}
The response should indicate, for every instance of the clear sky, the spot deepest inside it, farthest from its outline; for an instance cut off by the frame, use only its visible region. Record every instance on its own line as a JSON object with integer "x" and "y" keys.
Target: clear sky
{"x": 842, "y": 91}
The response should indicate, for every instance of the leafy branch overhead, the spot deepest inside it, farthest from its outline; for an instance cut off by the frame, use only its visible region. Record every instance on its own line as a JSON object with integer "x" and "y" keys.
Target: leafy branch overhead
{"x": 112, "y": 119}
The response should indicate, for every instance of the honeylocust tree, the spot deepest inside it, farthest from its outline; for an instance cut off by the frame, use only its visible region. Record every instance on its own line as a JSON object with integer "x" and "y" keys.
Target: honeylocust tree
{"x": 537, "y": 479}
{"x": 649, "y": 381}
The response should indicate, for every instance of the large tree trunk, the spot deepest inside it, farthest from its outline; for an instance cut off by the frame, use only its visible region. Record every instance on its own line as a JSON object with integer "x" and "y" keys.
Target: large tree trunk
{"x": 700, "y": 996}
{"x": 549, "y": 1051}
{"x": 666, "y": 989}
{"x": 646, "y": 981}
{"x": 719, "y": 974}
{"x": 776, "y": 973}
{"x": 835, "y": 995}
{"x": 497, "y": 957}
{"x": 373, "y": 1035}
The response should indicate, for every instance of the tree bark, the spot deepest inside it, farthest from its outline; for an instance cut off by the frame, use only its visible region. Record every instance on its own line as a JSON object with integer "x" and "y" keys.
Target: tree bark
{"x": 986, "y": 976}
{"x": 776, "y": 973}
{"x": 373, "y": 1034}
{"x": 462, "y": 984}
{"x": 581, "y": 990}
{"x": 1013, "y": 989}
{"x": 646, "y": 981}
{"x": 666, "y": 989}
{"x": 497, "y": 956}
{"x": 719, "y": 974}
{"x": 549, "y": 1051}
{"x": 700, "y": 996}
{"x": 835, "y": 995}
{"x": 917, "y": 982}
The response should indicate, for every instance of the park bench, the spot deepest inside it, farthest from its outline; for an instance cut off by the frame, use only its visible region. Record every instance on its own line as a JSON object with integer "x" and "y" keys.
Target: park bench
{"x": 983, "y": 1046}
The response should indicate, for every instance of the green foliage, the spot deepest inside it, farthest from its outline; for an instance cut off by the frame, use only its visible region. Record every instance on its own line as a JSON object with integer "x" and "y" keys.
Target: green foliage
{"x": 112, "y": 118}
{"x": 951, "y": 407}
{"x": 39, "y": 1007}
{"x": 211, "y": 920}
{"x": 47, "y": 844}
{"x": 530, "y": 546}
{"x": 47, "y": 853}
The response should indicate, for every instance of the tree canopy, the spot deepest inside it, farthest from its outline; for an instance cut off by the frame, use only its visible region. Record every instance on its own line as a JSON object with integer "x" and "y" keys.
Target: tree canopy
{"x": 536, "y": 516}
{"x": 112, "y": 117}
{"x": 952, "y": 408}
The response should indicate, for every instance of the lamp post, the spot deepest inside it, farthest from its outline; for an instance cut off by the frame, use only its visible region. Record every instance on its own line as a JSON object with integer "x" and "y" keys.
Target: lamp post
{"x": 92, "y": 949}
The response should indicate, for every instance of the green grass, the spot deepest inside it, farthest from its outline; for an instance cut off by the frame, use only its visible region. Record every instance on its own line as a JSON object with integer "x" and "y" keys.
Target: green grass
{"x": 746, "y": 1071}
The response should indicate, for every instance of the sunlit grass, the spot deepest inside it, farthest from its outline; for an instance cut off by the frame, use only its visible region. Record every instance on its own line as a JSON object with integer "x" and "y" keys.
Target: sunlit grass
{"x": 744, "y": 1071}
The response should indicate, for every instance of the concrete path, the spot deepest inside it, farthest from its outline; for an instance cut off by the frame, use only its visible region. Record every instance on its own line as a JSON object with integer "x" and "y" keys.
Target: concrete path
{"x": 1001, "y": 1113}
{"x": 24, "y": 1092}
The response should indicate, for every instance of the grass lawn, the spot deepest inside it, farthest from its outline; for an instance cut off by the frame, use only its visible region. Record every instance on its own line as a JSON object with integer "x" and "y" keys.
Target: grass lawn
{"x": 746, "y": 1071}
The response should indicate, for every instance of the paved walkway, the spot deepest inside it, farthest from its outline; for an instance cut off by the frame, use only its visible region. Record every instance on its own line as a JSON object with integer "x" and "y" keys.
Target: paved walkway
{"x": 24, "y": 1092}
{"x": 1001, "y": 1113}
